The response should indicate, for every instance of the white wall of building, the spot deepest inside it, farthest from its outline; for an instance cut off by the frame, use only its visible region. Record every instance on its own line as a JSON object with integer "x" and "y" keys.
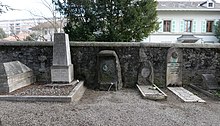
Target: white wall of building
{"x": 198, "y": 18}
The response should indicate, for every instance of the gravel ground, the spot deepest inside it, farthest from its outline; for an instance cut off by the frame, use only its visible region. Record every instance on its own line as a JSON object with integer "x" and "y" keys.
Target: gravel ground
{"x": 42, "y": 89}
{"x": 121, "y": 108}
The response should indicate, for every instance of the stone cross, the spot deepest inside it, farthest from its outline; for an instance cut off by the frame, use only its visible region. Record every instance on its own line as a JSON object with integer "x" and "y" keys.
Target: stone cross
{"x": 62, "y": 69}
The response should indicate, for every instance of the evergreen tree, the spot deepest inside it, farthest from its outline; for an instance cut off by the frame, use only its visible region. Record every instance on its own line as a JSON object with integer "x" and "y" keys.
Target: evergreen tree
{"x": 217, "y": 30}
{"x": 2, "y": 34}
{"x": 109, "y": 20}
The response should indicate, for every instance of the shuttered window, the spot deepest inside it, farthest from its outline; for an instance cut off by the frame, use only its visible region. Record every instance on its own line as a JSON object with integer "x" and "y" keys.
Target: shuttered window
{"x": 188, "y": 26}
{"x": 167, "y": 26}
{"x": 209, "y": 26}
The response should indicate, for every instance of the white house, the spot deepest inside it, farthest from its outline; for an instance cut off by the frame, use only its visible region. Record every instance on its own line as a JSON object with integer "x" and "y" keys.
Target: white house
{"x": 186, "y": 21}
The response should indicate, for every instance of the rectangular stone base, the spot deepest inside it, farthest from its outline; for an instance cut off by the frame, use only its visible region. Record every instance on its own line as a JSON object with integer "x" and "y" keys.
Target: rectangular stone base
{"x": 14, "y": 75}
{"x": 62, "y": 74}
{"x": 17, "y": 85}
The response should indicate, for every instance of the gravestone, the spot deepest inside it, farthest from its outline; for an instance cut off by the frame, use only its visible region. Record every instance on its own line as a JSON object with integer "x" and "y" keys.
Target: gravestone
{"x": 209, "y": 82}
{"x": 109, "y": 71}
{"x": 14, "y": 75}
{"x": 145, "y": 73}
{"x": 174, "y": 67}
{"x": 145, "y": 80}
{"x": 62, "y": 69}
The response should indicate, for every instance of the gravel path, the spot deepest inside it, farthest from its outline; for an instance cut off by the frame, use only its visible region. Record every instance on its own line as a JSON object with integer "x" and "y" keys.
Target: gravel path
{"x": 121, "y": 108}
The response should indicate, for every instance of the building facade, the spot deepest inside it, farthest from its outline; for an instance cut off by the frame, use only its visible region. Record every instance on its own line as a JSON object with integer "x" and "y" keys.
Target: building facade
{"x": 186, "y": 22}
{"x": 14, "y": 27}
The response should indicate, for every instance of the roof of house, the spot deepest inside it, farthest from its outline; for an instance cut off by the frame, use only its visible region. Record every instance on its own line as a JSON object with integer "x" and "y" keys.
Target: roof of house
{"x": 47, "y": 25}
{"x": 187, "y": 5}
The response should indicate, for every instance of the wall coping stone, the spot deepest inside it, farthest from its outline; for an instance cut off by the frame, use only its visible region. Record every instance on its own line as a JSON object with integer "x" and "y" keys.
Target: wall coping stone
{"x": 112, "y": 44}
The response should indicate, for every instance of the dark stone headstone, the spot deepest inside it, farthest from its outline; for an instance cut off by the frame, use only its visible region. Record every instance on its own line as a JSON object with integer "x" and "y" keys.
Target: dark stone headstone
{"x": 62, "y": 69}
{"x": 14, "y": 75}
{"x": 109, "y": 71}
{"x": 210, "y": 82}
{"x": 174, "y": 67}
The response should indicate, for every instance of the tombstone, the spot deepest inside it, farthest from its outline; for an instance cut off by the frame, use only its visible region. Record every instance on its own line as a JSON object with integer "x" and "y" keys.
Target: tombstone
{"x": 109, "y": 70}
{"x": 145, "y": 73}
{"x": 145, "y": 81}
{"x": 174, "y": 67}
{"x": 14, "y": 75}
{"x": 62, "y": 69}
{"x": 146, "y": 84}
{"x": 209, "y": 82}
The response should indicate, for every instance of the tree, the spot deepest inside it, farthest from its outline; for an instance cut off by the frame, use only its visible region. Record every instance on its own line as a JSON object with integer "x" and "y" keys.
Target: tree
{"x": 55, "y": 20}
{"x": 4, "y": 8}
{"x": 108, "y": 20}
{"x": 2, "y": 34}
{"x": 217, "y": 30}
{"x": 31, "y": 37}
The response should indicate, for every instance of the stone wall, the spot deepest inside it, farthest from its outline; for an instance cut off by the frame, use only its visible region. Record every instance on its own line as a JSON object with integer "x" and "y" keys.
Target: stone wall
{"x": 197, "y": 59}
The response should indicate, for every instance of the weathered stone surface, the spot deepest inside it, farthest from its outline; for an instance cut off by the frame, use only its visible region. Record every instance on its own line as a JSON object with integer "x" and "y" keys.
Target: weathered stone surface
{"x": 210, "y": 82}
{"x": 109, "y": 70}
{"x": 185, "y": 95}
{"x": 62, "y": 74}
{"x": 14, "y": 75}
{"x": 151, "y": 92}
{"x": 174, "y": 67}
{"x": 145, "y": 73}
{"x": 197, "y": 60}
{"x": 62, "y": 69}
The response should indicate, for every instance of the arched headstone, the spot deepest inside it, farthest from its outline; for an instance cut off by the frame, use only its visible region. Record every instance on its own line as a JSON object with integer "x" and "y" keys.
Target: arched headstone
{"x": 109, "y": 71}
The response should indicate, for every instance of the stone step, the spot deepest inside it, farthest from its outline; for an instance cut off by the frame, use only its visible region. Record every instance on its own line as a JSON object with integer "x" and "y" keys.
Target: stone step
{"x": 185, "y": 95}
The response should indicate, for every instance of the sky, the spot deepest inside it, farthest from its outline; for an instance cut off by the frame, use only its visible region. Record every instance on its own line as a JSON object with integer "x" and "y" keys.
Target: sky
{"x": 23, "y": 9}
{"x": 36, "y": 6}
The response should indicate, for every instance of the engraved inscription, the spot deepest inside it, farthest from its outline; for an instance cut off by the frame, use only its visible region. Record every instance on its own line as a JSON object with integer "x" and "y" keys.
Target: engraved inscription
{"x": 174, "y": 68}
{"x": 60, "y": 74}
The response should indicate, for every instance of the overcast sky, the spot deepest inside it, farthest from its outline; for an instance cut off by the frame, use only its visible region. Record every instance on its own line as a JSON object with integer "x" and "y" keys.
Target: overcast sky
{"x": 24, "y": 6}
{"x": 36, "y": 6}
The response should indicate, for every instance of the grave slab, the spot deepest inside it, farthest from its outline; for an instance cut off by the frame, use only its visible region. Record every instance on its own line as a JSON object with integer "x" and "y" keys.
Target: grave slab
{"x": 151, "y": 92}
{"x": 185, "y": 95}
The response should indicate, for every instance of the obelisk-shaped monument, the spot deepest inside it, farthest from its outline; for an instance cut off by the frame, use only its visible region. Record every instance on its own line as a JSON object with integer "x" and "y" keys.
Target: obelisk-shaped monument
{"x": 62, "y": 69}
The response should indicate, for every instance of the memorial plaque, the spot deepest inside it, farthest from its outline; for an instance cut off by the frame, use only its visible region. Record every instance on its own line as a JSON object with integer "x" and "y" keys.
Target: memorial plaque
{"x": 210, "y": 82}
{"x": 109, "y": 71}
{"x": 174, "y": 67}
{"x": 62, "y": 69}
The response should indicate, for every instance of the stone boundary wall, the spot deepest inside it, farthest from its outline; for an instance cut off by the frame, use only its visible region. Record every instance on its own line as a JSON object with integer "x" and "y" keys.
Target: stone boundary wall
{"x": 197, "y": 59}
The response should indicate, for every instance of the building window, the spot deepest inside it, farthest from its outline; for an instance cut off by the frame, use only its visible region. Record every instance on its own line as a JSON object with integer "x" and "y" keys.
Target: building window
{"x": 188, "y": 26}
{"x": 166, "y": 26}
{"x": 45, "y": 32}
{"x": 210, "y": 5}
{"x": 209, "y": 26}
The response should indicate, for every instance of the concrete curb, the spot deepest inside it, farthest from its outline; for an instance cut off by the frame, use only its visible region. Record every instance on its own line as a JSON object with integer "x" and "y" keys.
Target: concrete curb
{"x": 75, "y": 95}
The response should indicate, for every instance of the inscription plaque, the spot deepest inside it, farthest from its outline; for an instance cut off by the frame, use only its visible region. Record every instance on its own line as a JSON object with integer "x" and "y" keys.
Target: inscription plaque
{"x": 174, "y": 67}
